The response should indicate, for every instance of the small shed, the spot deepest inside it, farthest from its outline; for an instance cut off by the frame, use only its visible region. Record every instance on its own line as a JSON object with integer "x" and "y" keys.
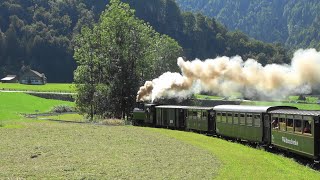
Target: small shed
{"x": 32, "y": 77}
{"x": 10, "y": 79}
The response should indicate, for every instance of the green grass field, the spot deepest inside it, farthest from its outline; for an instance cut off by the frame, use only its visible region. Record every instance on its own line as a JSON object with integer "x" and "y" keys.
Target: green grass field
{"x": 41, "y": 149}
{"x": 243, "y": 162}
{"x": 14, "y": 104}
{"x": 49, "y": 87}
{"x": 51, "y": 150}
{"x": 200, "y": 96}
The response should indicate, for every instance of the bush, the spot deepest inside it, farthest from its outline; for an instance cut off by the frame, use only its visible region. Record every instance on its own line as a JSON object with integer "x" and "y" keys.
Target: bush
{"x": 113, "y": 122}
{"x": 62, "y": 109}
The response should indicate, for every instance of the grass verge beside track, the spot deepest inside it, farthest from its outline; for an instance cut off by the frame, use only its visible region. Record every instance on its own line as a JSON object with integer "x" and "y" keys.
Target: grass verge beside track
{"x": 242, "y": 162}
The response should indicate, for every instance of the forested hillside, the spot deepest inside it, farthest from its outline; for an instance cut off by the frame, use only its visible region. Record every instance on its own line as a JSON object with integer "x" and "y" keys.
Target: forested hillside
{"x": 294, "y": 23}
{"x": 40, "y": 33}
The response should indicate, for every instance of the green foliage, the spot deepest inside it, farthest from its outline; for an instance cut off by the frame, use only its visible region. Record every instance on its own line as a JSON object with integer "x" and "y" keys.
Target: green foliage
{"x": 62, "y": 109}
{"x": 293, "y": 23}
{"x": 115, "y": 57}
{"x": 41, "y": 34}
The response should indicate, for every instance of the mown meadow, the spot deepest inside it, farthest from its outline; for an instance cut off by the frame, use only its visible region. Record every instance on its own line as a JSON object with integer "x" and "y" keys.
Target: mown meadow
{"x": 43, "y": 149}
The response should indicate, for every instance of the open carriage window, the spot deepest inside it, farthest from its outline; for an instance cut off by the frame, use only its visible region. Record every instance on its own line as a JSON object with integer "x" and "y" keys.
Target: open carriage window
{"x": 282, "y": 124}
{"x": 297, "y": 126}
{"x": 290, "y": 123}
{"x": 307, "y": 130}
{"x": 275, "y": 122}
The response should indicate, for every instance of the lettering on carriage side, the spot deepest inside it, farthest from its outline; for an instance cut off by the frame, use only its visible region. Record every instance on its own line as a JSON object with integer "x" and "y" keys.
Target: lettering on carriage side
{"x": 290, "y": 141}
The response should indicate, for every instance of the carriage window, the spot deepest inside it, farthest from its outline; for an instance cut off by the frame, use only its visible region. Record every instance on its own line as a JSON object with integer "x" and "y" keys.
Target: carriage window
{"x": 275, "y": 122}
{"x": 194, "y": 113}
{"x": 290, "y": 123}
{"x": 242, "y": 119}
{"x": 199, "y": 114}
{"x": 249, "y": 119}
{"x": 282, "y": 124}
{"x": 204, "y": 114}
{"x": 223, "y": 117}
{"x": 235, "y": 118}
{"x": 229, "y": 118}
{"x": 297, "y": 126}
{"x": 218, "y": 117}
{"x": 307, "y": 130}
{"x": 256, "y": 118}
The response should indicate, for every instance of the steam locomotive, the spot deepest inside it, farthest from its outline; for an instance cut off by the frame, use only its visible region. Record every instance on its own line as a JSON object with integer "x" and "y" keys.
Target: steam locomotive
{"x": 284, "y": 127}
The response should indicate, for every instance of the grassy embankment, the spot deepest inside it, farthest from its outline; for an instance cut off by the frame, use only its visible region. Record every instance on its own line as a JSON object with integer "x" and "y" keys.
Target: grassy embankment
{"x": 49, "y": 87}
{"x": 43, "y": 149}
{"x": 242, "y": 162}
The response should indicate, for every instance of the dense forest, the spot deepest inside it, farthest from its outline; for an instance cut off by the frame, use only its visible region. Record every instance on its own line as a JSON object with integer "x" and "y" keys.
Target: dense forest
{"x": 294, "y": 23}
{"x": 40, "y": 33}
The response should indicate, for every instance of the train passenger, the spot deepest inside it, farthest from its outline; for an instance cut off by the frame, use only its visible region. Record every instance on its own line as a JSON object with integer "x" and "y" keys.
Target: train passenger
{"x": 307, "y": 128}
{"x": 275, "y": 124}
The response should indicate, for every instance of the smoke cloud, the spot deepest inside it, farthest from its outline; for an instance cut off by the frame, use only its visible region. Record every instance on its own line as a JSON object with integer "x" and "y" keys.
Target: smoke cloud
{"x": 229, "y": 76}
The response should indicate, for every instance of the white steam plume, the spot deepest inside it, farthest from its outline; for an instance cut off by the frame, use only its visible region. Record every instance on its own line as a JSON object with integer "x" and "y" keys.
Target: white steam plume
{"x": 227, "y": 76}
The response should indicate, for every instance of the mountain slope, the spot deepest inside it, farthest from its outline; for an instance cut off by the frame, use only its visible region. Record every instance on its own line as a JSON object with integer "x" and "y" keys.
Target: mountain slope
{"x": 292, "y": 22}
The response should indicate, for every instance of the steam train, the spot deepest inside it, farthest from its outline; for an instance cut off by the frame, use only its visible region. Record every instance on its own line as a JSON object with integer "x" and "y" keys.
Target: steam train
{"x": 284, "y": 127}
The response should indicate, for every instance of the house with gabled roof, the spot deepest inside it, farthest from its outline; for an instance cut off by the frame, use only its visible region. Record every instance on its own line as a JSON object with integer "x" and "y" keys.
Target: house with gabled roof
{"x": 30, "y": 76}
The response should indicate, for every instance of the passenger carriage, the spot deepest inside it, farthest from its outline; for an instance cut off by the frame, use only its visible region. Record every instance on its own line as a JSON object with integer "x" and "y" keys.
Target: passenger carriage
{"x": 150, "y": 114}
{"x": 170, "y": 116}
{"x": 284, "y": 127}
{"x": 200, "y": 119}
{"x": 296, "y": 131}
{"x": 250, "y": 123}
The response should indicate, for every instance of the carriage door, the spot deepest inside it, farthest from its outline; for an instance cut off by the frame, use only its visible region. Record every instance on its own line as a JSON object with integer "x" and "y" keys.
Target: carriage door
{"x": 316, "y": 133}
{"x": 211, "y": 121}
{"x": 182, "y": 118}
{"x": 266, "y": 129}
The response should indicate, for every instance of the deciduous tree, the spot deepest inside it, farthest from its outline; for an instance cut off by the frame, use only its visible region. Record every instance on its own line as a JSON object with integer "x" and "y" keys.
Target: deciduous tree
{"x": 114, "y": 57}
